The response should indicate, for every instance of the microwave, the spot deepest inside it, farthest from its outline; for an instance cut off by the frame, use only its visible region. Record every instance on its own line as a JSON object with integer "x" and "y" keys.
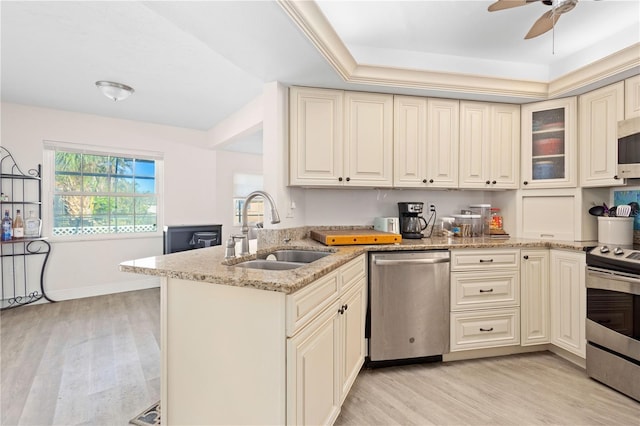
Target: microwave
{"x": 629, "y": 148}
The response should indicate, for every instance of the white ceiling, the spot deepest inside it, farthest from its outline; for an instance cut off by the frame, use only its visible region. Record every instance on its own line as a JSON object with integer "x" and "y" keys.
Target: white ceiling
{"x": 194, "y": 63}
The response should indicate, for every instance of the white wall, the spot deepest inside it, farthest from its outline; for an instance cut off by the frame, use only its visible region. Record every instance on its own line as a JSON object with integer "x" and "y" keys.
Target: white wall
{"x": 86, "y": 268}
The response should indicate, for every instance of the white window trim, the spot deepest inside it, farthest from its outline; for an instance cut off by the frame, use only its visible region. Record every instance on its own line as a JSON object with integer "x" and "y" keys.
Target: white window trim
{"x": 48, "y": 186}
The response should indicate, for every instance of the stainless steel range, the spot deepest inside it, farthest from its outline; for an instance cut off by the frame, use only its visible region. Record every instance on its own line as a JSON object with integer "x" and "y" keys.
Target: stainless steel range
{"x": 613, "y": 318}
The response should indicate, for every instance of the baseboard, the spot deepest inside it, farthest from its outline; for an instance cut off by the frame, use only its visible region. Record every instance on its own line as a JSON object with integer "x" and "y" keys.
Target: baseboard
{"x": 569, "y": 356}
{"x": 491, "y": 352}
{"x": 102, "y": 289}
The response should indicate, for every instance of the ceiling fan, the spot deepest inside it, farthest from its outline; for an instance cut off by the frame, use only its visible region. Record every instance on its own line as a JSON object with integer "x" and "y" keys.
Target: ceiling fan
{"x": 548, "y": 19}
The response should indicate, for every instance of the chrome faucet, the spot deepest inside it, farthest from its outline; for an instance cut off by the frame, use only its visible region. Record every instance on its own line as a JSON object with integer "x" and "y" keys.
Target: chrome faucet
{"x": 275, "y": 217}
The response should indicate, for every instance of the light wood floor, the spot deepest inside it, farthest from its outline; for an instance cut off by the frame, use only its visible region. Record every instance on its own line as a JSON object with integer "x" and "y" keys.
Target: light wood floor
{"x": 92, "y": 361}
{"x": 96, "y": 361}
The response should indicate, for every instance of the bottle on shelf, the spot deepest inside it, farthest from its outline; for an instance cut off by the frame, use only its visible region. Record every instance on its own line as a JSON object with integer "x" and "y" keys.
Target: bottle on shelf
{"x": 32, "y": 226}
{"x": 18, "y": 225}
{"x": 7, "y": 227}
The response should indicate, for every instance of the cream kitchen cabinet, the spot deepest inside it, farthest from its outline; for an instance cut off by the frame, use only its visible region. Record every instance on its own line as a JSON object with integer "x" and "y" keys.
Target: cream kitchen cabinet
{"x": 549, "y": 151}
{"x": 568, "y": 299}
{"x": 600, "y": 111}
{"x": 426, "y": 138}
{"x": 534, "y": 289}
{"x": 632, "y": 97}
{"x": 485, "y": 298}
{"x": 489, "y": 145}
{"x": 325, "y": 354}
{"x": 340, "y": 138}
{"x": 291, "y": 358}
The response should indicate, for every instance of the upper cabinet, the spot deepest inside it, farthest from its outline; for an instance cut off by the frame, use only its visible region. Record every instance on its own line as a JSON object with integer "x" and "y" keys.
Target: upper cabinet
{"x": 425, "y": 142}
{"x": 632, "y": 97}
{"x": 340, "y": 138}
{"x": 489, "y": 145}
{"x": 600, "y": 111}
{"x": 368, "y": 139}
{"x": 549, "y": 144}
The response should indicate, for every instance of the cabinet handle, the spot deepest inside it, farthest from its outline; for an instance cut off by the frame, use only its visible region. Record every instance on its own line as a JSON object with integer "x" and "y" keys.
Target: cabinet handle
{"x": 348, "y": 179}
{"x": 424, "y": 181}
{"x": 616, "y": 177}
{"x": 430, "y": 180}
{"x": 486, "y": 260}
{"x": 340, "y": 179}
{"x": 341, "y": 311}
{"x": 526, "y": 257}
{"x": 488, "y": 182}
{"x": 345, "y": 307}
{"x": 525, "y": 182}
{"x": 546, "y": 235}
{"x": 494, "y": 182}
{"x": 486, "y": 291}
{"x": 486, "y": 329}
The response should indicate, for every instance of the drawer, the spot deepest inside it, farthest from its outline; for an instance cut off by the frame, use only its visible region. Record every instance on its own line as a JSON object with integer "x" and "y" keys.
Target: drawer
{"x": 466, "y": 260}
{"x": 304, "y": 305}
{"x": 352, "y": 272}
{"x": 484, "y": 289}
{"x": 485, "y": 329}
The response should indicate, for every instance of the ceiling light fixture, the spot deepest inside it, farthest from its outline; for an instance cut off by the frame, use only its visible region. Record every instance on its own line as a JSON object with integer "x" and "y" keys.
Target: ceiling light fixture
{"x": 114, "y": 91}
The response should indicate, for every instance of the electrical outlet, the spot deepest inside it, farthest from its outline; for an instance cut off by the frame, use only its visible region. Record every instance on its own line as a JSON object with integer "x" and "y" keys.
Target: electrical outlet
{"x": 432, "y": 207}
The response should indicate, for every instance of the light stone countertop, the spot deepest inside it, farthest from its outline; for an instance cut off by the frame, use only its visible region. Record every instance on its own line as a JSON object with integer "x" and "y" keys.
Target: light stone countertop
{"x": 209, "y": 265}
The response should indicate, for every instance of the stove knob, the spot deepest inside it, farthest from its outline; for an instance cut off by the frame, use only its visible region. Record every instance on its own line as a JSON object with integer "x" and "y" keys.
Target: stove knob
{"x": 618, "y": 251}
{"x": 604, "y": 249}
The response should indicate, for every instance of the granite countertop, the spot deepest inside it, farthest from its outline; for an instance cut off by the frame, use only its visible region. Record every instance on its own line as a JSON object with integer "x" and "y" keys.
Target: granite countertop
{"x": 209, "y": 265}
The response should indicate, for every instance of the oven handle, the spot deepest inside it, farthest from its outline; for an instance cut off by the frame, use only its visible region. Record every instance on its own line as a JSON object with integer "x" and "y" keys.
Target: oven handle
{"x": 605, "y": 280}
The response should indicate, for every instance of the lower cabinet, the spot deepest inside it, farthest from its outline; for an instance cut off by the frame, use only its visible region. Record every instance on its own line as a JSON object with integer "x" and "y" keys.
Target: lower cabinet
{"x": 568, "y": 301}
{"x": 534, "y": 288}
{"x": 485, "y": 298}
{"x": 325, "y": 355}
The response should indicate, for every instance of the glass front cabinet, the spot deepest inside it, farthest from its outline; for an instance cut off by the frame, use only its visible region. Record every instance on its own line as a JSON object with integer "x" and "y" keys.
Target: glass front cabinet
{"x": 549, "y": 152}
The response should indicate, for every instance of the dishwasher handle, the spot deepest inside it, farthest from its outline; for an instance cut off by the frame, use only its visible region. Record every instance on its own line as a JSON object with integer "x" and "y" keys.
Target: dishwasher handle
{"x": 390, "y": 262}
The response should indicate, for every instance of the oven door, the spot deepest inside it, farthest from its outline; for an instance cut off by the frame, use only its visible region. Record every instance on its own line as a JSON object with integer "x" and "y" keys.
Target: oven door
{"x": 613, "y": 311}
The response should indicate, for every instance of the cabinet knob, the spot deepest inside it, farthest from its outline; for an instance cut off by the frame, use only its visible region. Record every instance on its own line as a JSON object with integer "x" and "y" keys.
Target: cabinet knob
{"x": 430, "y": 180}
{"x": 488, "y": 182}
{"x": 525, "y": 182}
{"x": 526, "y": 257}
{"x": 340, "y": 179}
{"x": 494, "y": 182}
{"x": 424, "y": 181}
{"x": 348, "y": 179}
{"x": 616, "y": 177}
{"x": 341, "y": 311}
{"x": 345, "y": 307}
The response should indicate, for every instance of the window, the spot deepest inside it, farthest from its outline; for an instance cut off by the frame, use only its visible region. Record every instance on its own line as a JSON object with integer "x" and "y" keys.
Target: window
{"x": 243, "y": 185}
{"x": 98, "y": 193}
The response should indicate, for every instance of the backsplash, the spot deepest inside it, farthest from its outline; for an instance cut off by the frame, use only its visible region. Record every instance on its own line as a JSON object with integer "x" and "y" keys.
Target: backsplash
{"x": 626, "y": 197}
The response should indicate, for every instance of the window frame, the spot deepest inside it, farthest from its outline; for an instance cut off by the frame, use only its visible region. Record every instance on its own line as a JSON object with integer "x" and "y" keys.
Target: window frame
{"x": 49, "y": 179}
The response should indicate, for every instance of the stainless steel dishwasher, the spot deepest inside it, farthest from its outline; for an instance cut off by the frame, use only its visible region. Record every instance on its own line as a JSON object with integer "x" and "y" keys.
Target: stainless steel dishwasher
{"x": 408, "y": 305}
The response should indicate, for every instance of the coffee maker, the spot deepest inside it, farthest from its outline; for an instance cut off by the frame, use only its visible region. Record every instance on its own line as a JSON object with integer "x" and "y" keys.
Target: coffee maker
{"x": 411, "y": 221}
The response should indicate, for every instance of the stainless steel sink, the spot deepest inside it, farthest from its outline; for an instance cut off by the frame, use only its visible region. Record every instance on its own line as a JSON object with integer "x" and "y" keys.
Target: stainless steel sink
{"x": 270, "y": 265}
{"x": 301, "y": 256}
{"x": 281, "y": 260}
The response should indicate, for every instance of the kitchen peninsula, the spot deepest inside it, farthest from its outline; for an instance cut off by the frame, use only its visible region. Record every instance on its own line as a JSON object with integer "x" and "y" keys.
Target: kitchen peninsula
{"x": 235, "y": 337}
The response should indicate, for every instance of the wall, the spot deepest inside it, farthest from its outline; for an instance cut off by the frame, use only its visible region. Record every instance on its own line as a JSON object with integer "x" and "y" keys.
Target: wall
{"x": 87, "y": 268}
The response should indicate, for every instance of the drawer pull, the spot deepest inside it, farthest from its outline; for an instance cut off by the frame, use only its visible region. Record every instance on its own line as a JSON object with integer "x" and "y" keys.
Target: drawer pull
{"x": 486, "y": 260}
{"x": 486, "y": 329}
{"x": 486, "y": 291}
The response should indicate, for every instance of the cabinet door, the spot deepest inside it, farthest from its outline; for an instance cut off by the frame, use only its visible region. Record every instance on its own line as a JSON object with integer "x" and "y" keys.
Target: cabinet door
{"x": 600, "y": 112}
{"x": 316, "y": 136}
{"x": 534, "y": 287}
{"x": 312, "y": 360}
{"x": 352, "y": 351}
{"x": 549, "y": 144}
{"x": 568, "y": 299}
{"x": 443, "y": 139}
{"x": 632, "y": 97}
{"x": 409, "y": 141}
{"x": 504, "y": 172}
{"x": 475, "y": 134}
{"x": 368, "y": 139}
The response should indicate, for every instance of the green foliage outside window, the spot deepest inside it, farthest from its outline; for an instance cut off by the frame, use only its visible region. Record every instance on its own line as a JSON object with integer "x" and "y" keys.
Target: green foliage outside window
{"x": 103, "y": 194}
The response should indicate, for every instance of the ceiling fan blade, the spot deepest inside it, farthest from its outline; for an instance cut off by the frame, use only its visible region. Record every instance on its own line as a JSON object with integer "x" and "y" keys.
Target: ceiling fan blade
{"x": 543, "y": 24}
{"x": 508, "y": 4}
